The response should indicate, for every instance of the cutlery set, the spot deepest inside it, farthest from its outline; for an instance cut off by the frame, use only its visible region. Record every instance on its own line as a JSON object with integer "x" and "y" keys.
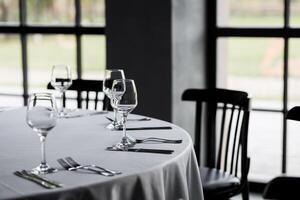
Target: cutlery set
{"x": 69, "y": 164}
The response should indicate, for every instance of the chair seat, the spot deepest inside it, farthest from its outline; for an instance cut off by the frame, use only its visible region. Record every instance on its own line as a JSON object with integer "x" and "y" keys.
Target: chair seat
{"x": 217, "y": 183}
{"x": 283, "y": 187}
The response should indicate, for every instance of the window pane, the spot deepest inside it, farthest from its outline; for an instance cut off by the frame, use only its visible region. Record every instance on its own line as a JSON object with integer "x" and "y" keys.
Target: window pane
{"x": 10, "y": 64}
{"x": 295, "y": 13}
{"x": 293, "y": 150}
{"x": 50, "y": 11}
{"x": 11, "y": 101}
{"x": 294, "y": 73}
{"x": 44, "y": 51}
{"x": 250, "y": 13}
{"x": 265, "y": 145}
{"x": 254, "y": 65}
{"x": 93, "y": 56}
{"x": 9, "y": 11}
{"x": 93, "y": 12}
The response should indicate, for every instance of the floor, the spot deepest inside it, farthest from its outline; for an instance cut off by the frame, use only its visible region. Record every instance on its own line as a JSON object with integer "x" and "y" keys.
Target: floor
{"x": 253, "y": 196}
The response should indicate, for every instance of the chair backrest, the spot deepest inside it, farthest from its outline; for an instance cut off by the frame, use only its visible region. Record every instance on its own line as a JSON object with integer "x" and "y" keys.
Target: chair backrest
{"x": 226, "y": 131}
{"x": 84, "y": 89}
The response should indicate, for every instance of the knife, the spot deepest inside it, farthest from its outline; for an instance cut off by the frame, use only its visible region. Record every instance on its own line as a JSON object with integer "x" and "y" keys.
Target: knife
{"x": 146, "y": 128}
{"x": 39, "y": 182}
{"x": 141, "y": 150}
{"x": 51, "y": 182}
{"x": 86, "y": 114}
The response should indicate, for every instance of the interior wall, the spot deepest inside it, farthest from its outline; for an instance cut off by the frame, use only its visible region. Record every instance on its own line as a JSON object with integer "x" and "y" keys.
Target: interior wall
{"x": 188, "y": 40}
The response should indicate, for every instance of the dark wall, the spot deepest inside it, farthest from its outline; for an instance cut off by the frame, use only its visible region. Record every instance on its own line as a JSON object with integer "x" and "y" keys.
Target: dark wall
{"x": 139, "y": 41}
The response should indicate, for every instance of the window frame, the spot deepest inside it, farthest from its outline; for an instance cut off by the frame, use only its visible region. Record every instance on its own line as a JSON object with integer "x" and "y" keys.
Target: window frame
{"x": 213, "y": 32}
{"x": 23, "y": 29}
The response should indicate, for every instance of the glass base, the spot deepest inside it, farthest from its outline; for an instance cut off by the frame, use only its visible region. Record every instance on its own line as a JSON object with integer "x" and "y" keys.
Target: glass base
{"x": 125, "y": 144}
{"x": 43, "y": 169}
{"x": 114, "y": 126}
{"x": 66, "y": 112}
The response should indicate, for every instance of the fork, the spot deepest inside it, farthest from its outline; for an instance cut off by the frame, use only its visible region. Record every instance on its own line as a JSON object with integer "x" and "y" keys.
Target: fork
{"x": 78, "y": 166}
{"x": 155, "y": 139}
{"x": 138, "y": 119}
{"x": 69, "y": 167}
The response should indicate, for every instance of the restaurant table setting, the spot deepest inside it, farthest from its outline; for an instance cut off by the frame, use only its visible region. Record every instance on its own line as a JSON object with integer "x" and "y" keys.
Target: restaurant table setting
{"x": 94, "y": 154}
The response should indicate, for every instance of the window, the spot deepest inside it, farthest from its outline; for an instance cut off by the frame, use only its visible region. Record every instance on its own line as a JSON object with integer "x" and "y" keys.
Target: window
{"x": 36, "y": 34}
{"x": 253, "y": 46}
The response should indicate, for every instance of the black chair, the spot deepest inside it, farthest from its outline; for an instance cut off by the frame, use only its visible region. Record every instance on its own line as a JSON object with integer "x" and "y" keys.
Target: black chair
{"x": 284, "y": 187}
{"x": 87, "y": 87}
{"x": 226, "y": 169}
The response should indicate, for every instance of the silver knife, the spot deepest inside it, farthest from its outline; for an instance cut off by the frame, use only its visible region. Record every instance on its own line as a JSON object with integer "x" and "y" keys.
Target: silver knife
{"x": 51, "y": 182}
{"x": 145, "y": 128}
{"x": 141, "y": 150}
{"x": 86, "y": 114}
{"x": 39, "y": 182}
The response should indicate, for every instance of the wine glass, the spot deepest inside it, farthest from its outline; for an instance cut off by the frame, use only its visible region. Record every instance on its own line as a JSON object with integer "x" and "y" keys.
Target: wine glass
{"x": 41, "y": 117}
{"x": 125, "y": 100}
{"x": 109, "y": 76}
{"x": 61, "y": 80}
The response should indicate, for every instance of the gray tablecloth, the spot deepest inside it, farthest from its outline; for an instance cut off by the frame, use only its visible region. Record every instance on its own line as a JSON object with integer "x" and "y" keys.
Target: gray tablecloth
{"x": 144, "y": 175}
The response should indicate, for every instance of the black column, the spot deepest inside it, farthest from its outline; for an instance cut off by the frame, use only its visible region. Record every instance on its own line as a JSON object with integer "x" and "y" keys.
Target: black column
{"x": 139, "y": 41}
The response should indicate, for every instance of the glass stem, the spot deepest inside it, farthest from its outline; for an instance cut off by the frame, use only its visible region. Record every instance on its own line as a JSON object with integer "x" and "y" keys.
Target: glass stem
{"x": 115, "y": 117}
{"x": 43, "y": 147}
{"x": 124, "y": 119}
{"x": 62, "y": 103}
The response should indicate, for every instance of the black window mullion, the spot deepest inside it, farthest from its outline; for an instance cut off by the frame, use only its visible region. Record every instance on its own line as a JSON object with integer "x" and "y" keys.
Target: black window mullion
{"x": 23, "y": 36}
{"x": 285, "y": 83}
{"x": 78, "y": 38}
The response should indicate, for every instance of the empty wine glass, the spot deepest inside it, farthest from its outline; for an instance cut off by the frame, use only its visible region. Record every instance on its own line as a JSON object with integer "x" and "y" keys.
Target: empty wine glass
{"x": 61, "y": 80}
{"x": 109, "y": 76}
{"x": 125, "y": 100}
{"x": 41, "y": 117}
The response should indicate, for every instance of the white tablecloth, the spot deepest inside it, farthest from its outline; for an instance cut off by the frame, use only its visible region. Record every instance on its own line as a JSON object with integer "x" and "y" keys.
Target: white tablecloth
{"x": 145, "y": 176}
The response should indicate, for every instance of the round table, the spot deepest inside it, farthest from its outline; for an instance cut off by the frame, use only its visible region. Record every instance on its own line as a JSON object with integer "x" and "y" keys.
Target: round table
{"x": 144, "y": 175}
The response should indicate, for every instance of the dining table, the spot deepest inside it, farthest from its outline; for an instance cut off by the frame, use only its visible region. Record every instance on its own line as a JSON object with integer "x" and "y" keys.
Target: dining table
{"x": 84, "y": 137}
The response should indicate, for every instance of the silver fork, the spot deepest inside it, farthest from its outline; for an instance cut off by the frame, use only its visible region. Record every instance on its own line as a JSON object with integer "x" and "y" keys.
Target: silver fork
{"x": 155, "y": 139}
{"x": 78, "y": 166}
{"x": 69, "y": 167}
{"x": 138, "y": 119}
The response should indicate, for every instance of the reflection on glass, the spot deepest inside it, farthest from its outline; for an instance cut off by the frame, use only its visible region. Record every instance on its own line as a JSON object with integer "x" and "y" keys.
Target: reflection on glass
{"x": 93, "y": 56}
{"x": 50, "y": 11}
{"x": 93, "y": 12}
{"x": 250, "y": 13}
{"x": 9, "y": 11}
{"x": 10, "y": 62}
{"x": 43, "y": 52}
{"x": 254, "y": 65}
{"x": 265, "y": 144}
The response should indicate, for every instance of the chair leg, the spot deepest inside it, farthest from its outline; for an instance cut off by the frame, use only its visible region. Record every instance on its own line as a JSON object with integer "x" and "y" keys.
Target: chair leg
{"x": 245, "y": 192}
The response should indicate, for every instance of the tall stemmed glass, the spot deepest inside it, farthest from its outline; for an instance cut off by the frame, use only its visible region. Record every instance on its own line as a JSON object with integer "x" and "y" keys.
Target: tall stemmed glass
{"x": 41, "y": 117}
{"x": 109, "y": 76}
{"x": 61, "y": 80}
{"x": 125, "y": 100}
